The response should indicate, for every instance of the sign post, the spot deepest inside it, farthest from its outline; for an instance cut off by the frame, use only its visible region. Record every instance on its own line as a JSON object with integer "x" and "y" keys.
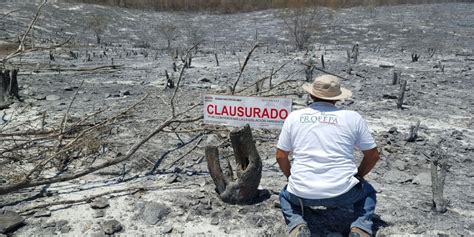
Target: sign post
{"x": 258, "y": 112}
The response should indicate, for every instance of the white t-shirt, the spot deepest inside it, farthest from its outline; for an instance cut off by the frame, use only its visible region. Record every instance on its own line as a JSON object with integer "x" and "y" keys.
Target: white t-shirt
{"x": 322, "y": 139}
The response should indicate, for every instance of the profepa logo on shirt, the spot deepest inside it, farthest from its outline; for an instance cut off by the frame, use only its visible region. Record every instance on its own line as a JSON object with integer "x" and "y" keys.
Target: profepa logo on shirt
{"x": 318, "y": 118}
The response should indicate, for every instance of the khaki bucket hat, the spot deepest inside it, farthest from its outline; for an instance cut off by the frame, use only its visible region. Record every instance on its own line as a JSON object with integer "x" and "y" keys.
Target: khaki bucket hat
{"x": 327, "y": 87}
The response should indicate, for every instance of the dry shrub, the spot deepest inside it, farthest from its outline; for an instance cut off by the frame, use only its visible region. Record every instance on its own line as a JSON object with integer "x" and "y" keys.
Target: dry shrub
{"x": 301, "y": 24}
{"x": 97, "y": 23}
{"x": 169, "y": 31}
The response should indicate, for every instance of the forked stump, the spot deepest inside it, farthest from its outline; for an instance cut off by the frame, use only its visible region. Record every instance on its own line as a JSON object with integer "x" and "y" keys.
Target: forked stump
{"x": 244, "y": 189}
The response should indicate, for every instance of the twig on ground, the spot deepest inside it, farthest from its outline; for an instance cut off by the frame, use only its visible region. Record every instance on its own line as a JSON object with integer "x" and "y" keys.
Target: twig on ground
{"x": 28, "y": 210}
{"x": 185, "y": 154}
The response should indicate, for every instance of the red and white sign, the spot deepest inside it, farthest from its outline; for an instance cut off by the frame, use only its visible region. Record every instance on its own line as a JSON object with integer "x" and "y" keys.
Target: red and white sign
{"x": 258, "y": 112}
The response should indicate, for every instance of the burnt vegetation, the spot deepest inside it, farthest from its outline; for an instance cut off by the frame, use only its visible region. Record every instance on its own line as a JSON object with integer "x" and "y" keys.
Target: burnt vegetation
{"x": 225, "y": 6}
{"x": 95, "y": 97}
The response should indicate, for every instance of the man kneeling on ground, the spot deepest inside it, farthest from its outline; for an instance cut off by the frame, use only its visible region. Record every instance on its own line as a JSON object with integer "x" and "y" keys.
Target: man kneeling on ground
{"x": 322, "y": 139}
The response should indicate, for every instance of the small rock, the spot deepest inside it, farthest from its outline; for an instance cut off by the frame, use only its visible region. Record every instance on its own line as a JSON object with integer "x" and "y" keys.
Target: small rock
{"x": 9, "y": 220}
{"x": 69, "y": 88}
{"x": 40, "y": 97}
{"x": 423, "y": 179}
{"x": 112, "y": 226}
{"x": 42, "y": 213}
{"x": 154, "y": 212}
{"x": 48, "y": 225}
{"x": 61, "y": 223}
{"x": 100, "y": 203}
{"x": 99, "y": 213}
{"x": 167, "y": 229}
{"x": 400, "y": 165}
{"x": 107, "y": 95}
{"x": 386, "y": 65}
{"x": 52, "y": 97}
{"x": 124, "y": 92}
{"x": 171, "y": 179}
{"x": 215, "y": 221}
{"x": 66, "y": 229}
{"x": 392, "y": 130}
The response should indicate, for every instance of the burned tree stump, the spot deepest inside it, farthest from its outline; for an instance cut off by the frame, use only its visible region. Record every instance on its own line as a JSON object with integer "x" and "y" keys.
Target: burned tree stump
{"x": 396, "y": 77}
{"x": 322, "y": 61}
{"x": 355, "y": 53}
{"x": 439, "y": 168}
{"x": 217, "y": 59}
{"x": 169, "y": 81}
{"x": 403, "y": 88}
{"x": 413, "y": 132}
{"x": 310, "y": 66}
{"x": 441, "y": 66}
{"x": 415, "y": 57}
{"x": 8, "y": 87}
{"x": 248, "y": 168}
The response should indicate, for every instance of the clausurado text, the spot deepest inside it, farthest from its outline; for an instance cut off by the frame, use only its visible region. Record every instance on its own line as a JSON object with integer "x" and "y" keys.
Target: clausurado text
{"x": 260, "y": 112}
{"x": 249, "y": 112}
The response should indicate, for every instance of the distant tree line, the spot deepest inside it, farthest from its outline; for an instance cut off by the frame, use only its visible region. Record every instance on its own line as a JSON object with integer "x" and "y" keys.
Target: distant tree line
{"x": 230, "y": 6}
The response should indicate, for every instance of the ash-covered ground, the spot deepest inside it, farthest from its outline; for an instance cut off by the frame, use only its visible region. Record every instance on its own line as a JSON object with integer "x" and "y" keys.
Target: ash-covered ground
{"x": 184, "y": 201}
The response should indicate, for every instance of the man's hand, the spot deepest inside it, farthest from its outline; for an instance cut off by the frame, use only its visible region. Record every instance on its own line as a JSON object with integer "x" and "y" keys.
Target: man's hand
{"x": 370, "y": 159}
{"x": 283, "y": 161}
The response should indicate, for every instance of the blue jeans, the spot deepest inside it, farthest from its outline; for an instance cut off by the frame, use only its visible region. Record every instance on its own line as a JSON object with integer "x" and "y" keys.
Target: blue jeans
{"x": 361, "y": 196}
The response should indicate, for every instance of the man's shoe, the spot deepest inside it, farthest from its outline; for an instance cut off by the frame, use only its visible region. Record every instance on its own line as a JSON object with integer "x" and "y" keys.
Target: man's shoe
{"x": 300, "y": 230}
{"x": 357, "y": 232}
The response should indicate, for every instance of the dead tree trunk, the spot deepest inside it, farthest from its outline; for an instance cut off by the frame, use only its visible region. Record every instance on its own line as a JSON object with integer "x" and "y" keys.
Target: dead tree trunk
{"x": 355, "y": 53}
{"x": 396, "y": 77}
{"x": 169, "y": 81}
{"x": 439, "y": 168}
{"x": 8, "y": 87}
{"x": 413, "y": 132}
{"x": 249, "y": 169}
{"x": 402, "y": 94}
{"x": 309, "y": 72}
{"x": 322, "y": 61}
{"x": 217, "y": 59}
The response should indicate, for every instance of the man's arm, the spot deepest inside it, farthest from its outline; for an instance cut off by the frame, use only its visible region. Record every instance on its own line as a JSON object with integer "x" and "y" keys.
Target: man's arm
{"x": 370, "y": 159}
{"x": 283, "y": 161}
